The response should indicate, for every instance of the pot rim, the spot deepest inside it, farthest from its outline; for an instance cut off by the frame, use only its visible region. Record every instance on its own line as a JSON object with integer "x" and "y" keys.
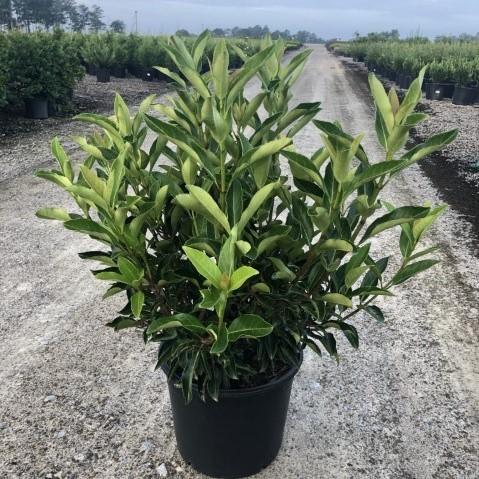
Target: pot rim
{"x": 251, "y": 391}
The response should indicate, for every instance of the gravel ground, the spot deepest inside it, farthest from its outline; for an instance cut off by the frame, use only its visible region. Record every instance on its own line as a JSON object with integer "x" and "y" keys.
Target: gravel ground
{"x": 80, "y": 401}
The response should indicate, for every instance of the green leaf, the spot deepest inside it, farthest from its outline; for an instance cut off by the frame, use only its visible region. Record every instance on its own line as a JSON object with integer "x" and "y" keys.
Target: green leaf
{"x": 95, "y": 183}
{"x": 354, "y": 274}
{"x": 62, "y": 158}
{"x": 204, "y": 265}
{"x": 210, "y": 205}
{"x": 382, "y": 101}
{"x": 255, "y": 203}
{"x": 221, "y": 342}
{"x": 248, "y": 326}
{"x": 59, "y": 214}
{"x": 187, "y": 377}
{"x": 412, "y": 269}
{"x": 334, "y": 244}
{"x": 137, "y": 301}
{"x": 122, "y": 115}
{"x": 89, "y": 227}
{"x": 249, "y": 69}
{"x": 129, "y": 270}
{"x": 182, "y": 320}
{"x": 339, "y": 299}
{"x": 240, "y": 275}
{"x": 404, "y": 214}
{"x": 260, "y": 288}
{"x": 375, "y": 312}
{"x": 282, "y": 271}
{"x": 234, "y": 201}
{"x": 219, "y": 70}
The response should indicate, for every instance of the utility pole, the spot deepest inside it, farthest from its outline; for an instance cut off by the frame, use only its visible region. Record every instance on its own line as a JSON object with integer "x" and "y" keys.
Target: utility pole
{"x": 136, "y": 21}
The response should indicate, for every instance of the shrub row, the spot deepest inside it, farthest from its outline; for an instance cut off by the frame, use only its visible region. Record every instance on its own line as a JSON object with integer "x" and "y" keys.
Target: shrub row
{"x": 448, "y": 62}
{"x": 48, "y": 65}
{"x": 139, "y": 54}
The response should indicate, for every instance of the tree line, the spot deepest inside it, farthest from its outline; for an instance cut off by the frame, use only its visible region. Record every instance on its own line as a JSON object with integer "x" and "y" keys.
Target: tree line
{"x": 45, "y": 14}
{"x": 259, "y": 31}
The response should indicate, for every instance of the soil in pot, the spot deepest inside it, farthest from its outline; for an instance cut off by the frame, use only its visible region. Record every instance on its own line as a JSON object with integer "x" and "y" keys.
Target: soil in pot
{"x": 36, "y": 108}
{"x": 465, "y": 95}
{"x": 237, "y": 436}
{"x": 103, "y": 75}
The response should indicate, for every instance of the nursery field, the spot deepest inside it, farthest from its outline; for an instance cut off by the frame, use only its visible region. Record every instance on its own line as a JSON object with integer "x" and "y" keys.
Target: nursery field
{"x": 80, "y": 401}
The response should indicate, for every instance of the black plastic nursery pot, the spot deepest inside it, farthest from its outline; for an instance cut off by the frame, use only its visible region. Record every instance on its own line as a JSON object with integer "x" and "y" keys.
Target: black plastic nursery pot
{"x": 438, "y": 91}
{"x": 149, "y": 75}
{"x": 465, "y": 95}
{"x": 36, "y": 108}
{"x": 103, "y": 75}
{"x": 91, "y": 69}
{"x": 406, "y": 81}
{"x": 237, "y": 436}
{"x": 118, "y": 72}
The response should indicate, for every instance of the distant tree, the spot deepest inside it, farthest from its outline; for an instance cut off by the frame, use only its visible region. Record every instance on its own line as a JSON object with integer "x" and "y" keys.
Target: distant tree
{"x": 79, "y": 17}
{"x": 183, "y": 33}
{"x": 95, "y": 16}
{"x": 118, "y": 26}
{"x": 6, "y": 14}
{"x": 218, "y": 32}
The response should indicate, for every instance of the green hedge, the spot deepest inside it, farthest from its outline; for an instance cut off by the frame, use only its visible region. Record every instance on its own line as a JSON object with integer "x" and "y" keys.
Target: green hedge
{"x": 456, "y": 62}
{"x": 49, "y": 64}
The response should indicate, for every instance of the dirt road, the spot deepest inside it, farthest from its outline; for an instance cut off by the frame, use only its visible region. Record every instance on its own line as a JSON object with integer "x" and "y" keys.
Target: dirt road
{"x": 79, "y": 401}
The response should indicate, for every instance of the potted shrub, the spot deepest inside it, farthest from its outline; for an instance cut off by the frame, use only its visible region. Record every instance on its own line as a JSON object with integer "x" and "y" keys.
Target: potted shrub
{"x": 43, "y": 69}
{"x": 466, "y": 91}
{"x": 99, "y": 51}
{"x": 441, "y": 86}
{"x": 120, "y": 54}
{"x": 150, "y": 54}
{"x": 234, "y": 251}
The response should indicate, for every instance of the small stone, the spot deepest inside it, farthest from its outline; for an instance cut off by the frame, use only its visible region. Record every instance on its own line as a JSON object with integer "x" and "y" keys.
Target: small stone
{"x": 79, "y": 457}
{"x": 60, "y": 434}
{"x": 161, "y": 470}
{"x": 3, "y": 425}
{"x": 147, "y": 446}
{"x": 50, "y": 398}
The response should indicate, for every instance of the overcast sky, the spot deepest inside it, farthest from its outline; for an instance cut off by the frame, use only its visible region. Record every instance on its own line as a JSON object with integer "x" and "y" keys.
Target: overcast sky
{"x": 327, "y": 18}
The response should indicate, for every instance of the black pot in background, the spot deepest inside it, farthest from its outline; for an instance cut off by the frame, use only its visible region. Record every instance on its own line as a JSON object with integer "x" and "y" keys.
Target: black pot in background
{"x": 36, "y": 108}
{"x": 103, "y": 75}
{"x": 465, "y": 95}
{"x": 406, "y": 81}
{"x": 118, "y": 71}
{"x": 435, "y": 91}
{"x": 399, "y": 79}
{"x": 237, "y": 436}
{"x": 91, "y": 69}
{"x": 149, "y": 74}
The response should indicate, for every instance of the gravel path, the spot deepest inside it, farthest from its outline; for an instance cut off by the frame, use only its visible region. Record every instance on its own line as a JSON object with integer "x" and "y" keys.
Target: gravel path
{"x": 79, "y": 401}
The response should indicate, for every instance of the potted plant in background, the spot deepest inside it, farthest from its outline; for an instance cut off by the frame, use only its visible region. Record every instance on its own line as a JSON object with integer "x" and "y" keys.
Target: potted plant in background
{"x": 99, "y": 51}
{"x": 231, "y": 260}
{"x": 466, "y": 75}
{"x": 120, "y": 54}
{"x": 43, "y": 70}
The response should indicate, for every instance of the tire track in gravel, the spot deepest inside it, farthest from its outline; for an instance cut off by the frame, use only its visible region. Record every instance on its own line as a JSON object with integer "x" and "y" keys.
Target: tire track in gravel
{"x": 81, "y": 400}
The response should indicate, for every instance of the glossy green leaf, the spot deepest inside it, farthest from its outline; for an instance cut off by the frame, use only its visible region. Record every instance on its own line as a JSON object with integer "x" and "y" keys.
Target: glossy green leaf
{"x": 248, "y": 326}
